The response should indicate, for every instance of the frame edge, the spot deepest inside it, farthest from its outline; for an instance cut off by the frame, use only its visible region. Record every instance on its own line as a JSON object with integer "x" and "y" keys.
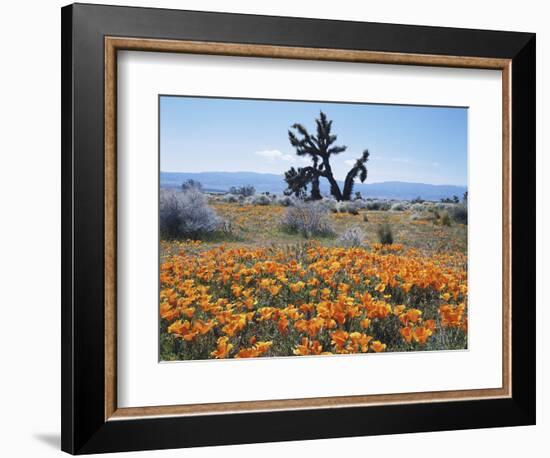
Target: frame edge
{"x": 67, "y": 382}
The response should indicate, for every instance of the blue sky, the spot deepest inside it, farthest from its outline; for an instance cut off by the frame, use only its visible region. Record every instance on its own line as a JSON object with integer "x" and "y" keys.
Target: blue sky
{"x": 406, "y": 143}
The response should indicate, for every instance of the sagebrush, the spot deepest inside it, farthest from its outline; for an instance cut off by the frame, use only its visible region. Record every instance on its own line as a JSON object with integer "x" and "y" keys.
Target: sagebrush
{"x": 186, "y": 214}
{"x": 308, "y": 219}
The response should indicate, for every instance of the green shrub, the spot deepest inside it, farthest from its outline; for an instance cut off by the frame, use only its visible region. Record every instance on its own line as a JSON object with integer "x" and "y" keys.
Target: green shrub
{"x": 245, "y": 191}
{"x": 385, "y": 234}
{"x": 459, "y": 213}
{"x": 191, "y": 184}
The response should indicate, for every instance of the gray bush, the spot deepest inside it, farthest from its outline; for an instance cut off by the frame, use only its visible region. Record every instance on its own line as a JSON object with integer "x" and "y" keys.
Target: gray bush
{"x": 330, "y": 204}
{"x": 285, "y": 201}
{"x": 347, "y": 206}
{"x": 443, "y": 206}
{"x": 418, "y": 208}
{"x": 459, "y": 213}
{"x": 186, "y": 214}
{"x": 230, "y": 198}
{"x": 340, "y": 207}
{"x": 372, "y": 204}
{"x": 398, "y": 207}
{"x": 382, "y": 205}
{"x": 352, "y": 237}
{"x": 425, "y": 216}
{"x": 385, "y": 205}
{"x": 309, "y": 219}
{"x": 261, "y": 199}
{"x": 353, "y": 207}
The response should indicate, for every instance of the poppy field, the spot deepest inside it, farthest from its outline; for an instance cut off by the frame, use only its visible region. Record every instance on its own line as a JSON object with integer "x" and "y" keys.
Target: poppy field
{"x": 258, "y": 290}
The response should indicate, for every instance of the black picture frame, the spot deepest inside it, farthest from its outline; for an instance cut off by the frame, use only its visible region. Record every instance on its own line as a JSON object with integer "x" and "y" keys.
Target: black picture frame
{"x": 84, "y": 428}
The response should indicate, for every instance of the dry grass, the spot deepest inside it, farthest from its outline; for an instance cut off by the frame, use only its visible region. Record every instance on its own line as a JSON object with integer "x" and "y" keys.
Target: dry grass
{"x": 258, "y": 225}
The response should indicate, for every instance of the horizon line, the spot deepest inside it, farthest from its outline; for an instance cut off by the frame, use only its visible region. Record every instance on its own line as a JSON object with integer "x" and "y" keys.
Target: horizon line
{"x": 338, "y": 179}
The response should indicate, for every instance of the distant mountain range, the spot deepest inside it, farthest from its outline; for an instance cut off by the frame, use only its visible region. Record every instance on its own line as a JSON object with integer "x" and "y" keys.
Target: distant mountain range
{"x": 266, "y": 182}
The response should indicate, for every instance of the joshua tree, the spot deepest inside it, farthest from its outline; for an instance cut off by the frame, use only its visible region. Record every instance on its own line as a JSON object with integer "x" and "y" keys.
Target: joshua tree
{"x": 320, "y": 148}
{"x": 357, "y": 169}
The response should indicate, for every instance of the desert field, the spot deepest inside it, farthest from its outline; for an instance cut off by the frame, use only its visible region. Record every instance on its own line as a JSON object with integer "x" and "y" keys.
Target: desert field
{"x": 267, "y": 275}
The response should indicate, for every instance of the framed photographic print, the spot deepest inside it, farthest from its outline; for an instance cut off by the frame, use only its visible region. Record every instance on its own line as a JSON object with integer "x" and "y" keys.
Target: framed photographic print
{"x": 283, "y": 228}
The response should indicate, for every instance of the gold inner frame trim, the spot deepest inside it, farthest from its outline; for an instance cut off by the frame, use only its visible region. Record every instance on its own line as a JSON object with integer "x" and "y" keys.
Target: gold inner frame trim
{"x": 114, "y": 44}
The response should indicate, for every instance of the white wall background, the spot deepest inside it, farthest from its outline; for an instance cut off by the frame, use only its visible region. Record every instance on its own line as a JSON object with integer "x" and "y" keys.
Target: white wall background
{"x": 30, "y": 229}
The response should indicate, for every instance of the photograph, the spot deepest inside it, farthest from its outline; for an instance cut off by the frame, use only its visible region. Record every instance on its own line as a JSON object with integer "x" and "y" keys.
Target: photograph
{"x": 303, "y": 228}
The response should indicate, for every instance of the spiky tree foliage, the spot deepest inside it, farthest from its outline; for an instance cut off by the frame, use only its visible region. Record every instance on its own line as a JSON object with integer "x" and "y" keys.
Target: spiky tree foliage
{"x": 319, "y": 148}
{"x": 297, "y": 181}
{"x": 358, "y": 169}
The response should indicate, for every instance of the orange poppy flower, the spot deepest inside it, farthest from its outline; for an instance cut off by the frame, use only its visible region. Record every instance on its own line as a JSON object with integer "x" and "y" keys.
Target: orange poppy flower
{"x": 339, "y": 338}
{"x": 406, "y": 333}
{"x": 365, "y": 323}
{"x": 282, "y": 325}
{"x": 406, "y": 287}
{"x": 296, "y": 287}
{"x": 182, "y": 330}
{"x": 308, "y": 347}
{"x": 262, "y": 347}
{"x": 421, "y": 334}
{"x": 274, "y": 289}
{"x": 236, "y": 290}
{"x": 380, "y": 287}
{"x": 430, "y": 324}
{"x": 410, "y": 316}
{"x": 167, "y": 312}
{"x": 377, "y": 346}
{"x": 359, "y": 341}
{"x": 398, "y": 309}
{"x": 202, "y": 328}
{"x": 223, "y": 348}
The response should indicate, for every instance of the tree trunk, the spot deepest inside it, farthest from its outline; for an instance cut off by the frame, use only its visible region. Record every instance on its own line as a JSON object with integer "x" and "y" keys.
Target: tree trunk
{"x": 334, "y": 188}
{"x": 315, "y": 191}
{"x": 348, "y": 185}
